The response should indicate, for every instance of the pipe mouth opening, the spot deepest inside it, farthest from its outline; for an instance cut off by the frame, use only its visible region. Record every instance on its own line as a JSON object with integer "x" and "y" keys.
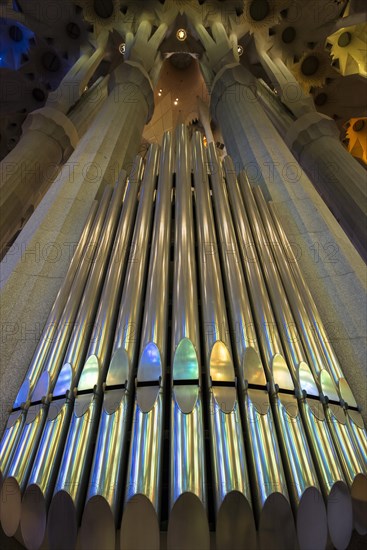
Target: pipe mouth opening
{"x": 235, "y": 523}
{"x": 98, "y": 528}
{"x": 11, "y": 503}
{"x": 188, "y": 524}
{"x": 33, "y": 517}
{"x": 340, "y": 515}
{"x": 312, "y": 521}
{"x": 62, "y": 525}
{"x": 359, "y": 502}
{"x": 139, "y": 526}
{"x": 276, "y": 526}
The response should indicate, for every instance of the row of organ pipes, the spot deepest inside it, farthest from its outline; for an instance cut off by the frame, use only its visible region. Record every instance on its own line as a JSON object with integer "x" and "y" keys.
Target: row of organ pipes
{"x": 184, "y": 381}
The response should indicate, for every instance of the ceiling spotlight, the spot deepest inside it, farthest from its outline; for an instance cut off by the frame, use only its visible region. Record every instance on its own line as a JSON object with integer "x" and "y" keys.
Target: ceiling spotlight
{"x": 159, "y": 93}
{"x": 122, "y": 48}
{"x": 181, "y": 35}
{"x": 240, "y": 49}
{"x": 175, "y": 102}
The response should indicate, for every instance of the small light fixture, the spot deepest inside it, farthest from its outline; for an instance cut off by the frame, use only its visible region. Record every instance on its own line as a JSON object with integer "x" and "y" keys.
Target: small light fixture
{"x": 240, "y": 49}
{"x": 122, "y": 48}
{"x": 181, "y": 35}
{"x": 205, "y": 141}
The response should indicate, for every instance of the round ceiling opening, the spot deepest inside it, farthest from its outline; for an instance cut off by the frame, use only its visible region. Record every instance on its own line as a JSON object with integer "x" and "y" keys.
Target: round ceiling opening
{"x": 73, "y": 30}
{"x": 51, "y": 62}
{"x": 358, "y": 126}
{"x": 320, "y": 99}
{"x": 344, "y": 39}
{"x": 15, "y": 33}
{"x": 288, "y": 35}
{"x": 38, "y": 95}
{"x": 310, "y": 65}
{"x": 259, "y": 9}
{"x": 103, "y": 8}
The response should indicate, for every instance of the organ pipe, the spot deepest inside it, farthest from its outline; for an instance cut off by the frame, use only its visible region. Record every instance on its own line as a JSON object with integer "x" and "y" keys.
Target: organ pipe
{"x": 330, "y": 474}
{"x": 144, "y": 475}
{"x": 42, "y": 479}
{"x": 231, "y": 488}
{"x": 71, "y": 484}
{"x": 188, "y": 486}
{"x": 301, "y": 475}
{"x": 103, "y": 503}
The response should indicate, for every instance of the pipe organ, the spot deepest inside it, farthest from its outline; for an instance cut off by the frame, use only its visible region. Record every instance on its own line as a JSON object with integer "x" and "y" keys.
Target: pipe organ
{"x": 184, "y": 393}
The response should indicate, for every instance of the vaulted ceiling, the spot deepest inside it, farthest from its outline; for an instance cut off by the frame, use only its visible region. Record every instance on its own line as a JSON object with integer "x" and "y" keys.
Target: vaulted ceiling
{"x": 323, "y": 42}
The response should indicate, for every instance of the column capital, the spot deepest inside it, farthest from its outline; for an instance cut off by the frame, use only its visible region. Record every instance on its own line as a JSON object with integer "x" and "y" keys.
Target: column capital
{"x": 56, "y": 125}
{"x": 133, "y": 73}
{"x": 308, "y": 128}
{"x": 230, "y": 75}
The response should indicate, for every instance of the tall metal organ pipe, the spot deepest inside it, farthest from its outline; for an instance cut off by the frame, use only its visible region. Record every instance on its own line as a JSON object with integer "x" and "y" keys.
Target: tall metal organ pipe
{"x": 140, "y": 526}
{"x": 188, "y": 523}
{"x": 354, "y": 418}
{"x": 42, "y": 479}
{"x": 104, "y": 499}
{"x": 56, "y": 319}
{"x": 71, "y": 485}
{"x": 19, "y": 469}
{"x": 335, "y": 490}
{"x": 231, "y": 488}
{"x": 325, "y": 457}
{"x": 304, "y": 491}
{"x": 23, "y": 455}
{"x": 352, "y": 460}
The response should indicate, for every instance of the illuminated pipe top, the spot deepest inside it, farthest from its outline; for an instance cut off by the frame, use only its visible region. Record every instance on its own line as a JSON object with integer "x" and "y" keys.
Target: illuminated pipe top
{"x": 129, "y": 317}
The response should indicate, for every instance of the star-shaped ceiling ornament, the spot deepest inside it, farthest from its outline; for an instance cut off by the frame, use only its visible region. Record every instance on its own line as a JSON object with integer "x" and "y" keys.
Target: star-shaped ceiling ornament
{"x": 357, "y": 136}
{"x": 348, "y": 50}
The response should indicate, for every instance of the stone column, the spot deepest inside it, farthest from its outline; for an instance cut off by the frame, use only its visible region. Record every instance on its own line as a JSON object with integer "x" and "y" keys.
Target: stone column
{"x": 313, "y": 138}
{"x": 332, "y": 268}
{"x": 339, "y": 178}
{"x": 49, "y": 137}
